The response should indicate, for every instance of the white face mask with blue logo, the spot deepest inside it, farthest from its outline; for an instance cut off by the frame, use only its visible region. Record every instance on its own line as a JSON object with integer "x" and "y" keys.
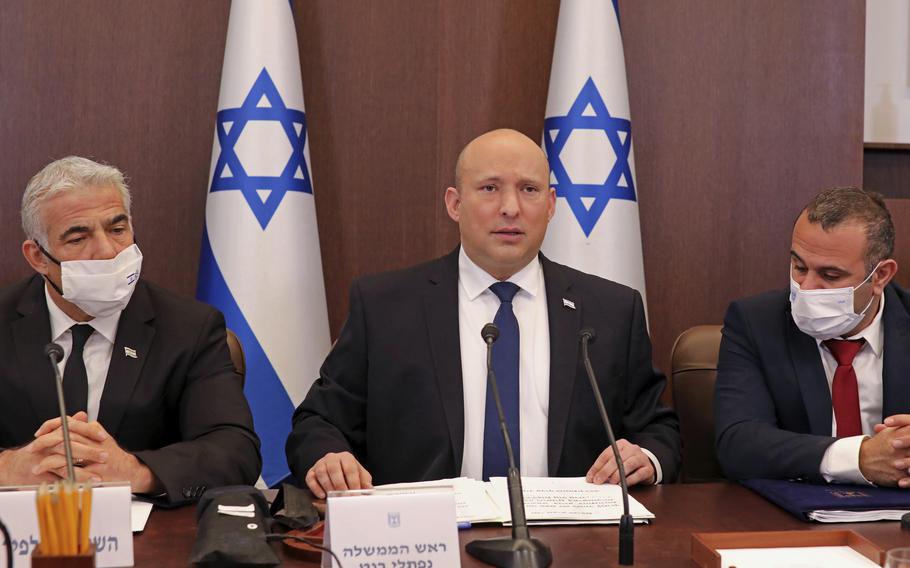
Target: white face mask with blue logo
{"x": 100, "y": 288}
{"x": 828, "y": 312}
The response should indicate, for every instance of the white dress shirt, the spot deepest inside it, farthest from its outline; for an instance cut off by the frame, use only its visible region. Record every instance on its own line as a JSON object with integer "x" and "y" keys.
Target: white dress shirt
{"x": 840, "y": 463}
{"x": 96, "y": 354}
{"x": 477, "y": 306}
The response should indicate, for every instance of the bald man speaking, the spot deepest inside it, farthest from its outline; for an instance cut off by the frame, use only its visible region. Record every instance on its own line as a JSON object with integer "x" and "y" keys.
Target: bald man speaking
{"x": 403, "y": 395}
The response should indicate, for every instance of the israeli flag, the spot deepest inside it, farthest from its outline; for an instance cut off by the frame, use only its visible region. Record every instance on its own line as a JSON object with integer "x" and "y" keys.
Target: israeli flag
{"x": 588, "y": 140}
{"x": 260, "y": 261}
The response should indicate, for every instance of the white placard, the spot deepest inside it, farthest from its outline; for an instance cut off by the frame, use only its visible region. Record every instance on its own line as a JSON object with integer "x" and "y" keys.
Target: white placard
{"x": 110, "y": 529}
{"x": 392, "y": 529}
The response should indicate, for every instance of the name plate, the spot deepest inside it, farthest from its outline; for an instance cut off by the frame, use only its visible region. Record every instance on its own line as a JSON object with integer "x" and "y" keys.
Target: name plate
{"x": 392, "y": 529}
{"x": 109, "y": 529}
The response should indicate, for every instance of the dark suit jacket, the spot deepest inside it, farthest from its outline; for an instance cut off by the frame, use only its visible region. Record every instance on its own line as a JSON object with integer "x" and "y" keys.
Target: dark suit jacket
{"x": 391, "y": 393}
{"x": 772, "y": 400}
{"x": 178, "y": 406}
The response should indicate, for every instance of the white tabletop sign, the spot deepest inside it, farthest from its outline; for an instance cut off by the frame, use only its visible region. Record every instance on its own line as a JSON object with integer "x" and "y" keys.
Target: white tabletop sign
{"x": 392, "y": 529}
{"x": 110, "y": 529}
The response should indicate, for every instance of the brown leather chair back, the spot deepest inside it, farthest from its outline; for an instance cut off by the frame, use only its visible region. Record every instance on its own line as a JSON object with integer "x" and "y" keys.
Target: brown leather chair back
{"x": 237, "y": 354}
{"x": 693, "y": 363}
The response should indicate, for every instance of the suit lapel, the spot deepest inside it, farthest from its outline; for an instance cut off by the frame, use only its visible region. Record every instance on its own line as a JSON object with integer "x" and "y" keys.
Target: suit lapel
{"x": 31, "y": 333}
{"x": 441, "y": 309}
{"x": 564, "y": 325}
{"x": 896, "y": 364}
{"x": 135, "y": 333}
{"x": 810, "y": 375}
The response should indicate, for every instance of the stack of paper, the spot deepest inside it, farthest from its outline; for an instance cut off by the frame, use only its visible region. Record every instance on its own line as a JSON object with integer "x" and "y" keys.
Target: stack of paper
{"x": 856, "y": 516}
{"x": 567, "y": 501}
{"x": 548, "y": 500}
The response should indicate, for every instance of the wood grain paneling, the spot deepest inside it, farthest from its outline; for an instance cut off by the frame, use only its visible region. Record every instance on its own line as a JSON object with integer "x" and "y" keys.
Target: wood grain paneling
{"x": 900, "y": 215}
{"x": 134, "y": 84}
{"x": 394, "y": 91}
{"x": 741, "y": 111}
{"x": 887, "y": 170}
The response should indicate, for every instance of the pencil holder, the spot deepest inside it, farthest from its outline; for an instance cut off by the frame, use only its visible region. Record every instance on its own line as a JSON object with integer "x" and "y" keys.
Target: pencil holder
{"x": 86, "y": 560}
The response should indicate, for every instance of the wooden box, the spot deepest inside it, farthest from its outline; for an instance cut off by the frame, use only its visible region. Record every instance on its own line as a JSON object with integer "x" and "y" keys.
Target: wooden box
{"x": 706, "y": 545}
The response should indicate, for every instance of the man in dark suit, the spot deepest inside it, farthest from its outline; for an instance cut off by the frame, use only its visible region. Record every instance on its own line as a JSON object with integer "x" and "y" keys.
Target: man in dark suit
{"x": 403, "y": 394}
{"x": 150, "y": 388}
{"x": 805, "y": 377}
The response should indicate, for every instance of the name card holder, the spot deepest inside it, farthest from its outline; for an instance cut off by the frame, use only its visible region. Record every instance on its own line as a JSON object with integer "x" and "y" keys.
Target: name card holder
{"x": 392, "y": 528}
{"x": 86, "y": 560}
{"x": 109, "y": 531}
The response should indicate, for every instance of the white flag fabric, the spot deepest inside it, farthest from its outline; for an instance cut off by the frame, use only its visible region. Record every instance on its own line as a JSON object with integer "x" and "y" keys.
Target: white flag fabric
{"x": 588, "y": 140}
{"x": 260, "y": 262}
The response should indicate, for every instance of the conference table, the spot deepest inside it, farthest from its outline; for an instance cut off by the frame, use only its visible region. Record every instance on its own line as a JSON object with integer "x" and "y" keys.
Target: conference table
{"x": 680, "y": 510}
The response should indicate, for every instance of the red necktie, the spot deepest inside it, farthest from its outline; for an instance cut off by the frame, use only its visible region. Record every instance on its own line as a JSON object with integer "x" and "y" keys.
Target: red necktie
{"x": 844, "y": 390}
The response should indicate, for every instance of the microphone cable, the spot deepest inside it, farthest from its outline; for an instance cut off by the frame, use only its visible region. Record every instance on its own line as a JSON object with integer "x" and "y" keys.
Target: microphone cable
{"x": 9, "y": 544}
{"x": 278, "y": 536}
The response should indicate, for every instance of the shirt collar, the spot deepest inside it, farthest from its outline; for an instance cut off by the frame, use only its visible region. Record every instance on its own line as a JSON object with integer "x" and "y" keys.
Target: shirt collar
{"x": 476, "y": 280}
{"x": 873, "y": 333}
{"x": 60, "y": 322}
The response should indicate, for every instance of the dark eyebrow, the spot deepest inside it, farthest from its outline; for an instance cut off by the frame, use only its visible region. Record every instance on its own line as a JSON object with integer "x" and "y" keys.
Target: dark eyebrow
{"x": 118, "y": 219}
{"x": 79, "y": 229}
{"x": 837, "y": 269}
{"x": 73, "y": 230}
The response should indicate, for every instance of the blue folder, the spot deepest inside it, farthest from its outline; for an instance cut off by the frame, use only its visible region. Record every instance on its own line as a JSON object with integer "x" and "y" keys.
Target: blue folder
{"x": 801, "y": 498}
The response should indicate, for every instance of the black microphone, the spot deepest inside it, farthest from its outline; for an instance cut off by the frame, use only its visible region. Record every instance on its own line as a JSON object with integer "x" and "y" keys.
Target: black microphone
{"x": 519, "y": 550}
{"x": 626, "y": 522}
{"x": 55, "y": 353}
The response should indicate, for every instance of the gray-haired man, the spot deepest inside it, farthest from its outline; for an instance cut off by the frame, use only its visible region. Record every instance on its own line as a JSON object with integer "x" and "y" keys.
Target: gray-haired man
{"x": 152, "y": 394}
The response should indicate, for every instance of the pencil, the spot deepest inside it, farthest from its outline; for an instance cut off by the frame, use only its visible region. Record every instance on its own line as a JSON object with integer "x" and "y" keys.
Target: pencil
{"x": 40, "y": 495}
{"x": 65, "y": 513}
{"x": 85, "y": 519}
{"x": 51, "y": 549}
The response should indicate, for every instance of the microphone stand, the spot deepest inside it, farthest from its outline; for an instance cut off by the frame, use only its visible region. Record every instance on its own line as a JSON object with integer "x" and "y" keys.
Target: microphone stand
{"x": 626, "y": 521}
{"x": 55, "y": 353}
{"x": 520, "y": 550}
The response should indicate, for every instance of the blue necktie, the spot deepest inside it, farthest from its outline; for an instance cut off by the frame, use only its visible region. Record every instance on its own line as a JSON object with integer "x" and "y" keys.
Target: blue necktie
{"x": 505, "y": 365}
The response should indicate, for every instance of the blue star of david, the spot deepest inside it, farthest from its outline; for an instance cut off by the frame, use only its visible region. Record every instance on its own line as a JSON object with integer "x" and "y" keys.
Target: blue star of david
{"x": 229, "y": 173}
{"x": 557, "y": 130}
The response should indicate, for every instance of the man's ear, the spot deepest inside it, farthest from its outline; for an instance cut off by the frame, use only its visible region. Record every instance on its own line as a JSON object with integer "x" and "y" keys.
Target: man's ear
{"x": 34, "y": 257}
{"x": 551, "y": 204}
{"x": 883, "y": 275}
{"x": 453, "y": 203}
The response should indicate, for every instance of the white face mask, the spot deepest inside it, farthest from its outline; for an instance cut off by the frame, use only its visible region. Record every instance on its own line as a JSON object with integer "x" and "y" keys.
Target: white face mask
{"x": 828, "y": 312}
{"x": 101, "y": 287}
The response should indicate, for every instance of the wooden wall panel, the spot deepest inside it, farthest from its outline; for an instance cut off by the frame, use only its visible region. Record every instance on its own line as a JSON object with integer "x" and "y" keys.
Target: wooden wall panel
{"x": 393, "y": 91}
{"x": 134, "y": 84}
{"x": 886, "y": 169}
{"x": 741, "y": 111}
{"x": 900, "y": 215}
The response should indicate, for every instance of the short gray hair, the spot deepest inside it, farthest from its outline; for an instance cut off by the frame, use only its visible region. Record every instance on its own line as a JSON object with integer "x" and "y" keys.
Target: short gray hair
{"x": 66, "y": 174}
{"x": 834, "y": 206}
